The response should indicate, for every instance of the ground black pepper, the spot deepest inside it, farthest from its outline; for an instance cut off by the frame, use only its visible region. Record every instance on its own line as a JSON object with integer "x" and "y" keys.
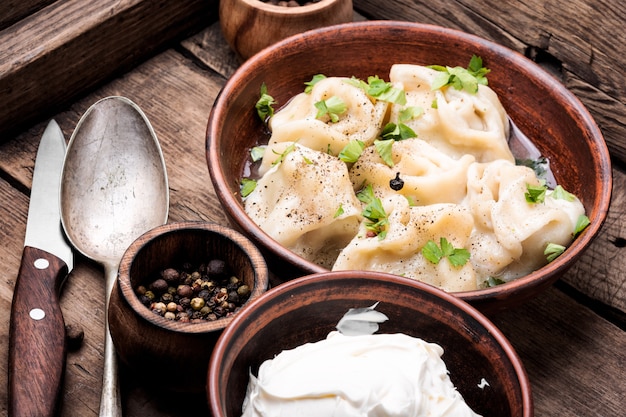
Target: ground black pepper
{"x": 195, "y": 294}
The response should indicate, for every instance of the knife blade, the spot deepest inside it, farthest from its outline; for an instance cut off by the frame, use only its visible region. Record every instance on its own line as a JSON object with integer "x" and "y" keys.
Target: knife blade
{"x": 37, "y": 346}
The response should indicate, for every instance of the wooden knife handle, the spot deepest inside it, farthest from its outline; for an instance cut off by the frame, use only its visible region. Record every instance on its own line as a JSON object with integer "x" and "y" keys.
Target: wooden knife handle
{"x": 37, "y": 345}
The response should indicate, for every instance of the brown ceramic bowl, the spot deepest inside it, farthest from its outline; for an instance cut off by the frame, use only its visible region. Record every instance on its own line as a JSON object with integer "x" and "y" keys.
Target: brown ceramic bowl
{"x": 173, "y": 354}
{"x": 559, "y": 125}
{"x": 307, "y": 309}
{"x": 251, "y": 25}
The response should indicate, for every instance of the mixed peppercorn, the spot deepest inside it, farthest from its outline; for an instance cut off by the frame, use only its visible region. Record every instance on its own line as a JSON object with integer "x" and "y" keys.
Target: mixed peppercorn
{"x": 193, "y": 294}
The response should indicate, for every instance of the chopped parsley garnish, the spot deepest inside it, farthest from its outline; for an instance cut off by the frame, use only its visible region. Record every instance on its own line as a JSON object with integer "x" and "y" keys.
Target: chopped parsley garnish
{"x": 493, "y": 281}
{"x": 352, "y": 151}
{"x": 467, "y": 79}
{"x": 384, "y": 147}
{"x": 553, "y": 250}
{"x": 581, "y": 224}
{"x": 247, "y": 186}
{"x": 536, "y": 193}
{"x": 380, "y": 89}
{"x": 559, "y": 193}
{"x": 333, "y": 107}
{"x": 373, "y": 211}
{"x": 264, "y": 106}
{"x": 456, "y": 256}
{"x": 538, "y": 165}
{"x": 286, "y": 152}
{"x": 339, "y": 211}
{"x": 309, "y": 84}
{"x": 257, "y": 153}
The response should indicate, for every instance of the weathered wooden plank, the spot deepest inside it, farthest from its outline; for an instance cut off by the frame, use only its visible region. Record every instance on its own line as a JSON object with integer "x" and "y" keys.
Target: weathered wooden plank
{"x": 582, "y": 40}
{"x": 69, "y": 47}
{"x": 562, "y": 346}
{"x": 12, "y": 11}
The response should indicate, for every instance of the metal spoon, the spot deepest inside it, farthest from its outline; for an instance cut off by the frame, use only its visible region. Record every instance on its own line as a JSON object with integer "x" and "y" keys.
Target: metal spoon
{"x": 114, "y": 188}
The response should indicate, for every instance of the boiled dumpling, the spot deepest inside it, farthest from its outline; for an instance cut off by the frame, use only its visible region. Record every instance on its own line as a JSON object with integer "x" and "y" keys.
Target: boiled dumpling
{"x": 454, "y": 121}
{"x": 306, "y": 203}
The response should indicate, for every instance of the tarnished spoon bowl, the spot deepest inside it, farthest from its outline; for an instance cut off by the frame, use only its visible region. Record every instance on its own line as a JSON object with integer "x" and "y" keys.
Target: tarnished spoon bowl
{"x": 114, "y": 188}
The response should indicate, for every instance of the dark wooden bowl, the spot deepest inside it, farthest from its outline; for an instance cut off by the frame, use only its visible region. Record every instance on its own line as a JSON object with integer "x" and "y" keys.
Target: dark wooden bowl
{"x": 171, "y": 354}
{"x": 308, "y": 308}
{"x": 559, "y": 125}
{"x": 251, "y": 25}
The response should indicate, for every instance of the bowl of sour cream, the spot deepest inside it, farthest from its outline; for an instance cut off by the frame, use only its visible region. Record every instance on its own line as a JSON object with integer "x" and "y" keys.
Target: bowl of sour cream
{"x": 359, "y": 343}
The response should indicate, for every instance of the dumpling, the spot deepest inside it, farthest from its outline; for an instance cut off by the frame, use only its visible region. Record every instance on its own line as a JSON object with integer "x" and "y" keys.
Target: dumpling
{"x": 362, "y": 120}
{"x": 460, "y": 123}
{"x": 311, "y": 133}
{"x": 429, "y": 175}
{"x": 409, "y": 229}
{"x": 306, "y": 203}
{"x": 511, "y": 234}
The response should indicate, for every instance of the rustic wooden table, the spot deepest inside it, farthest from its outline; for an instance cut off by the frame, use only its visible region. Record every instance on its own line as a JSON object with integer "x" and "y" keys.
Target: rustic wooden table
{"x": 572, "y": 338}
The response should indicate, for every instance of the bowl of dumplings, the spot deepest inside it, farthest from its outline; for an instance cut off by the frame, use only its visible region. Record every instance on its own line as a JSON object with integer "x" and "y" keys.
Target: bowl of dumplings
{"x": 413, "y": 150}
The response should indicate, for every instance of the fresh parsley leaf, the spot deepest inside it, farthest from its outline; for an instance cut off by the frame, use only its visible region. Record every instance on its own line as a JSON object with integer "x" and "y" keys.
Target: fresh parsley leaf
{"x": 559, "y": 193}
{"x": 257, "y": 153}
{"x": 493, "y": 281}
{"x": 385, "y": 91}
{"x": 536, "y": 193}
{"x": 264, "y": 106}
{"x": 434, "y": 104}
{"x": 286, "y": 152}
{"x": 339, "y": 211}
{"x": 352, "y": 151}
{"x": 553, "y": 250}
{"x": 332, "y": 108}
{"x": 247, "y": 186}
{"x": 432, "y": 252}
{"x": 309, "y": 84}
{"x": 467, "y": 79}
{"x": 456, "y": 256}
{"x": 538, "y": 165}
{"x": 398, "y": 131}
{"x": 581, "y": 224}
{"x": 373, "y": 211}
{"x": 384, "y": 148}
{"x": 409, "y": 113}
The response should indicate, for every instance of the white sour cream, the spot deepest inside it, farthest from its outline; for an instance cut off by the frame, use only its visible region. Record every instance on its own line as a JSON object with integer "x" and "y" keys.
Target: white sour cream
{"x": 380, "y": 375}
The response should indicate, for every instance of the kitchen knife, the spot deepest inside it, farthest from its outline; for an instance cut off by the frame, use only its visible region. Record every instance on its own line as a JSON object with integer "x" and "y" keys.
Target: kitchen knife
{"x": 37, "y": 344}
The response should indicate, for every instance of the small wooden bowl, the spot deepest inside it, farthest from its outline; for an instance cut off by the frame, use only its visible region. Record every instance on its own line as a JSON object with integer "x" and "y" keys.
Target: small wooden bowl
{"x": 308, "y": 308}
{"x": 555, "y": 120}
{"x": 171, "y": 354}
{"x": 251, "y": 25}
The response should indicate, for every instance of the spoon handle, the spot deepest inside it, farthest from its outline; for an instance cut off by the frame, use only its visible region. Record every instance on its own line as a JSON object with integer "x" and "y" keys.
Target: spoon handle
{"x": 110, "y": 400}
{"x": 37, "y": 336}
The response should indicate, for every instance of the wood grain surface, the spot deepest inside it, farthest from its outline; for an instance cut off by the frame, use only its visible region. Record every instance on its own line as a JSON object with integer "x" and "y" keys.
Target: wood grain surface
{"x": 572, "y": 338}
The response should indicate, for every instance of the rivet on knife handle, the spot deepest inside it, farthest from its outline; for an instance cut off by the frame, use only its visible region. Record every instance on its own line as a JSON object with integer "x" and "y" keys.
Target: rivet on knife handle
{"x": 37, "y": 336}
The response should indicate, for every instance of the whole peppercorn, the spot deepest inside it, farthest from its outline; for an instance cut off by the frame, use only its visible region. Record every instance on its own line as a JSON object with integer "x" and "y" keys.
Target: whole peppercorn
{"x": 184, "y": 291}
{"x": 170, "y": 275}
{"x": 158, "y": 286}
{"x": 243, "y": 291}
{"x": 172, "y": 306}
{"x": 397, "y": 183}
{"x": 216, "y": 267}
{"x": 197, "y": 303}
{"x": 169, "y": 315}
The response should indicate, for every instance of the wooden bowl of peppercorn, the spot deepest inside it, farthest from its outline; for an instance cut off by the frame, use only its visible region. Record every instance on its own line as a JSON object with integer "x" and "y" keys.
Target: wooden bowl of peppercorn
{"x": 251, "y": 25}
{"x": 557, "y": 124}
{"x": 179, "y": 286}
